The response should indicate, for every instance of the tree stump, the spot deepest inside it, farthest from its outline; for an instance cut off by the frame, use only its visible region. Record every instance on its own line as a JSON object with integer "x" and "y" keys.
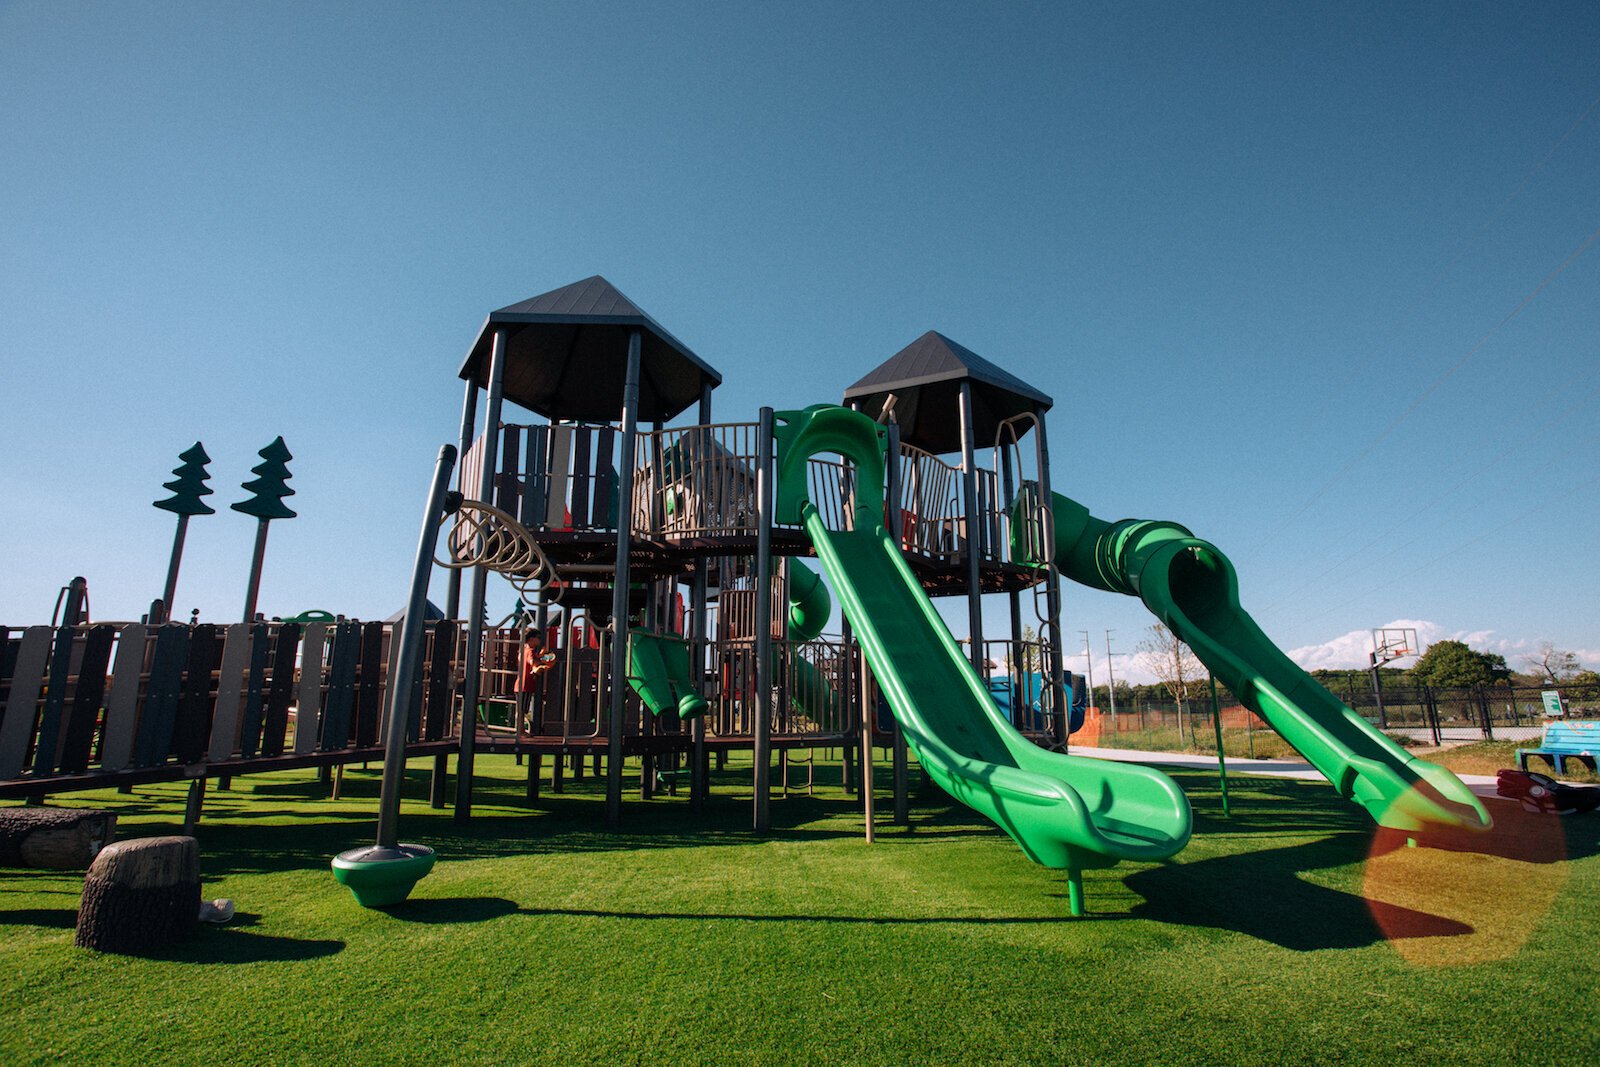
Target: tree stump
{"x": 140, "y": 895}
{"x": 62, "y": 839}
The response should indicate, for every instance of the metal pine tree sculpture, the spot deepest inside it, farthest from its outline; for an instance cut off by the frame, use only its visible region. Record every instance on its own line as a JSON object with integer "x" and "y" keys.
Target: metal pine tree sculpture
{"x": 186, "y": 489}
{"x": 269, "y": 487}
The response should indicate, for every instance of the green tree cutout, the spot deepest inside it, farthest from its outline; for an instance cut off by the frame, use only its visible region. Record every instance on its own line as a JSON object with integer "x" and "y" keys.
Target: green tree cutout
{"x": 270, "y": 484}
{"x": 186, "y": 489}
{"x": 189, "y": 485}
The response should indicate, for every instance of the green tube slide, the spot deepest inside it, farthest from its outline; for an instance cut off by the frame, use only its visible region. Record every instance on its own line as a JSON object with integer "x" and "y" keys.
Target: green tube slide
{"x": 1191, "y": 587}
{"x": 809, "y": 607}
{"x": 1064, "y": 811}
{"x": 659, "y": 664}
{"x": 659, "y": 671}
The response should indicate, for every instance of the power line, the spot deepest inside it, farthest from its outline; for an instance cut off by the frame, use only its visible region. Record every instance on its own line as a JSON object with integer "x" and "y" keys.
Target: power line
{"x": 1471, "y": 240}
{"x": 1441, "y": 557}
{"x": 1474, "y": 476}
{"x": 1394, "y": 424}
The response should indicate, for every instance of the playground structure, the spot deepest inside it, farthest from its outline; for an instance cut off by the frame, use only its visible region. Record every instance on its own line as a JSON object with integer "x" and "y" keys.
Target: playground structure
{"x": 660, "y": 565}
{"x": 702, "y": 557}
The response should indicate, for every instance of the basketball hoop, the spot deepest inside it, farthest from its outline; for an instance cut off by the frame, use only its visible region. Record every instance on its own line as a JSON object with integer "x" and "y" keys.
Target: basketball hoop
{"x": 1390, "y": 644}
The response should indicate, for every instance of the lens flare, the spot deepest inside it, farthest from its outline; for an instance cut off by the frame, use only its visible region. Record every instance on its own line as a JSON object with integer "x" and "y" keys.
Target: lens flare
{"x": 1459, "y": 897}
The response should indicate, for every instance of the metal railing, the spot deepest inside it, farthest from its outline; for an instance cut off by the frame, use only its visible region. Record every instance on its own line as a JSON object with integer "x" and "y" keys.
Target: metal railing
{"x": 696, "y": 481}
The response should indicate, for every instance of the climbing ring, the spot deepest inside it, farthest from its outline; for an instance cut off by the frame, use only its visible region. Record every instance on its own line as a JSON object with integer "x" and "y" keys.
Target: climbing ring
{"x": 485, "y": 536}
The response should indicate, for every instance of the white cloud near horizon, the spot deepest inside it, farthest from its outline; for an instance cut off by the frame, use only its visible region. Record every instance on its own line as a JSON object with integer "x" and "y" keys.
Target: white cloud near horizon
{"x": 1351, "y": 650}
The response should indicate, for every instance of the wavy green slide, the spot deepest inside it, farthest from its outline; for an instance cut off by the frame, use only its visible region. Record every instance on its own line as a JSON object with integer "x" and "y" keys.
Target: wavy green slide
{"x": 1064, "y": 811}
{"x": 1193, "y": 589}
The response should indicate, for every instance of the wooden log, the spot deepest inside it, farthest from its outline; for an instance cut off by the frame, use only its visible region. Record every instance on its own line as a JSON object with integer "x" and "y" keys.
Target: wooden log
{"x": 61, "y": 839}
{"x": 140, "y": 895}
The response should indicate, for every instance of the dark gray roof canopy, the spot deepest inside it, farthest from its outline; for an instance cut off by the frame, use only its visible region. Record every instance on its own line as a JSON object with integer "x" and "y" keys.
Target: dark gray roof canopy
{"x": 567, "y": 356}
{"x": 926, "y": 378}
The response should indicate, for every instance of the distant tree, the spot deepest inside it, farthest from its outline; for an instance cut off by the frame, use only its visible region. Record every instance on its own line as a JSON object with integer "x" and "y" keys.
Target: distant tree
{"x": 1028, "y": 655}
{"x": 1172, "y": 662}
{"x": 1585, "y": 679}
{"x": 1452, "y": 663}
{"x": 1549, "y": 662}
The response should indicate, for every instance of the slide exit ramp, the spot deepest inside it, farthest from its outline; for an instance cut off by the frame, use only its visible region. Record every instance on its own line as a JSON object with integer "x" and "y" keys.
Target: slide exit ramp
{"x": 1191, "y": 587}
{"x": 1064, "y": 811}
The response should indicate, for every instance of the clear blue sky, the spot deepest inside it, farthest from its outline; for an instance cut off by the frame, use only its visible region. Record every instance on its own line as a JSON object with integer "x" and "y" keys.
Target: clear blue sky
{"x": 1235, "y": 242}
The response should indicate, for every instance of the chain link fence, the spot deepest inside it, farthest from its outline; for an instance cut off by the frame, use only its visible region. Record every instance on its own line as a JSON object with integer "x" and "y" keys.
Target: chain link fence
{"x": 1421, "y": 714}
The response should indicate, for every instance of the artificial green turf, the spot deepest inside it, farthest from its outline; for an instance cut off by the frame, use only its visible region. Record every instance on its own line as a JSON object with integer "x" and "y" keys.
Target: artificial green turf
{"x": 541, "y": 937}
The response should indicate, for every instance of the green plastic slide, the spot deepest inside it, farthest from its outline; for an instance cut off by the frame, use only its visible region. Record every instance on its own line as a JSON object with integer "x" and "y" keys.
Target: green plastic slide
{"x": 1064, "y": 811}
{"x": 658, "y": 670}
{"x": 1192, "y": 588}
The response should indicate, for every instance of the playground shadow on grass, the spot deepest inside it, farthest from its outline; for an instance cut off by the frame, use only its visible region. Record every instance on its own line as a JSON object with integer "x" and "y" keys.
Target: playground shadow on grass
{"x": 857, "y": 920}
{"x": 236, "y": 944}
{"x": 444, "y": 911}
{"x": 246, "y": 843}
{"x": 1262, "y": 894}
{"x": 51, "y": 918}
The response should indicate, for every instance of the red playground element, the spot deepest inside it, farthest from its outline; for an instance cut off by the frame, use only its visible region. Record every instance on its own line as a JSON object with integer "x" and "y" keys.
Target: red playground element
{"x": 1539, "y": 793}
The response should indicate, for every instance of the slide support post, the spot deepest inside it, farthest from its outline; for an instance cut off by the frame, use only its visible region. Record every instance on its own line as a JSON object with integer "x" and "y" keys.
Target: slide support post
{"x": 1075, "y": 891}
{"x": 1222, "y": 762}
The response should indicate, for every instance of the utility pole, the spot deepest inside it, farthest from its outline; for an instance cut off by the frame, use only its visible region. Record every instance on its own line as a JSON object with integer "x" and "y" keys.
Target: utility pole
{"x": 1111, "y": 685}
{"x": 1088, "y": 664}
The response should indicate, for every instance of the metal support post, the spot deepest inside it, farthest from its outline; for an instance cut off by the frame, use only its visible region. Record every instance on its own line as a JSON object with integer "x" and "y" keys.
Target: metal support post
{"x": 1222, "y": 761}
{"x": 868, "y": 707}
{"x": 473, "y": 681}
{"x": 902, "y": 785}
{"x": 699, "y": 786}
{"x": 763, "y": 622}
{"x": 170, "y": 591}
{"x": 969, "y": 493}
{"x": 620, "y": 578}
{"x": 409, "y": 661}
{"x": 1058, "y": 692}
{"x": 256, "y": 559}
{"x": 469, "y": 416}
{"x": 1377, "y": 690}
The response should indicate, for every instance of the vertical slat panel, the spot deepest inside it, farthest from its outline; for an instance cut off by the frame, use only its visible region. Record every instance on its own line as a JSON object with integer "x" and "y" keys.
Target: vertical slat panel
{"x": 281, "y": 689}
{"x": 160, "y": 712}
{"x": 78, "y": 735}
{"x": 255, "y": 684}
{"x": 533, "y": 497}
{"x": 419, "y": 677}
{"x": 341, "y": 687}
{"x": 555, "y": 511}
{"x": 440, "y": 674}
{"x": 55, "y": 700}
{"x": 308, "y": 702}
{"x": 194, "y": 712}
{"x": 369, "y": 690}
{"x": 604, "y": 513}
{"x": 8, "y": 663}
{"x": 122, "y": 707}
{"x": 583, "y": 437}
{"x": 21, "y": 720}
{"x": 230, "y": 691}
{"x": 508, "y": 481}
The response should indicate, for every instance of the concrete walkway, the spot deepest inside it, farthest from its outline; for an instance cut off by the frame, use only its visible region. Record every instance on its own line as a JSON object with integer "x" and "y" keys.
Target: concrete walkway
{"x": 1482, "y": 785}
